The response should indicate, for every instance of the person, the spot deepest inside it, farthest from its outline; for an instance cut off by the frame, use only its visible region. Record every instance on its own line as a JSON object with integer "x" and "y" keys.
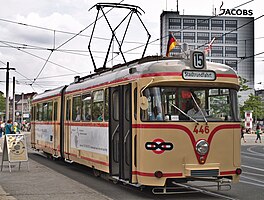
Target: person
{"x": 78, "y": 114}
{"x": 258, "y": 132}
{"x": 248, "y": 130}
{"x": 196, "y": 110}
{"x": 156, "y": 115}
{"x": 16, "y": 128}
{"x": 1, "y": 130}
{"x": 9, "y": 127}
{"x": 242, "y": 134}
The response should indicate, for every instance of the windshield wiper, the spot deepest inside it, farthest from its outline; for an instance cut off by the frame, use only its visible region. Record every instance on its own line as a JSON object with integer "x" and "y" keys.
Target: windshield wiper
{"x": 198, "y": 106}
{"x": 184, "y": 113}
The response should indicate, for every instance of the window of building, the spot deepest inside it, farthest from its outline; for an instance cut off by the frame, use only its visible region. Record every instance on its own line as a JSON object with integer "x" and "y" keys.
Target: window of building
{"x": 217, "y": 51}
{"x": 202, "y": 38}
{"x": 230, "y": 25}
{"x": 189, "y": 37}
{"x": 202, "y": 24}
{"x": 231, "y": 52}
{"x": 174, "y": 23}
{"x": 218, "y": 38}
{"x": 231, "y": 38}
{"x": 216, "y": 24}
{"x": 189, "y": 24}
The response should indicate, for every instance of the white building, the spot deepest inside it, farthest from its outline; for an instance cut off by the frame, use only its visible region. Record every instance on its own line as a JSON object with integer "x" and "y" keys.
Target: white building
{"x": 233, "y": 45}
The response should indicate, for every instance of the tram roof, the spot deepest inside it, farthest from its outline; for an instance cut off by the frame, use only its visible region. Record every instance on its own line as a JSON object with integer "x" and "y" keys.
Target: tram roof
{"x": 148, "y": 66}
{"x": 48, "y": 94}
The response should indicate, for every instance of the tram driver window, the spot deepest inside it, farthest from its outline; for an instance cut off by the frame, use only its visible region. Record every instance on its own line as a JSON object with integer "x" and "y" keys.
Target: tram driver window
{"x": 155, "y": 110}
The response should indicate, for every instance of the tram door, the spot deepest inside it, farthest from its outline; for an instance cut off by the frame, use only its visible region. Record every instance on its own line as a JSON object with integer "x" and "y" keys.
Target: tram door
{"x": 120, "y": 147}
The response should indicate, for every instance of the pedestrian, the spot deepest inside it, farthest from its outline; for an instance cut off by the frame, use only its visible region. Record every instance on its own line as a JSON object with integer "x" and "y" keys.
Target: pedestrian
{"x": 258, "y": 132}
{"x": 16, "y": 128}
{"x": 242, "y": 134}
{"x": 1, "y": 130}
{"x": 9, "y": 127}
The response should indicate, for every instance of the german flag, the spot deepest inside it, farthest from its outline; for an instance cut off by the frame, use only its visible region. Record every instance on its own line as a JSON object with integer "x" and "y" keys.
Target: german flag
{"x": 172, "y": 42}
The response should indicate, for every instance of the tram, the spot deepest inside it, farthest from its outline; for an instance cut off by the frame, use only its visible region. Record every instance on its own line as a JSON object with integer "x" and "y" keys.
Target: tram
{"x": 134, "y": 121}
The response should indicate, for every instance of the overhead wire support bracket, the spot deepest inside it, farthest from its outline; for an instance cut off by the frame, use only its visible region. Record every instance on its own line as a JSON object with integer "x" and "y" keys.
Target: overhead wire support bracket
{"x": 133, "y": 9}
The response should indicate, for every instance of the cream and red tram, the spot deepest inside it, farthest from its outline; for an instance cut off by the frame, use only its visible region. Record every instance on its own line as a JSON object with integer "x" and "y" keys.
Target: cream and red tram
{"x": 134, "y": 121}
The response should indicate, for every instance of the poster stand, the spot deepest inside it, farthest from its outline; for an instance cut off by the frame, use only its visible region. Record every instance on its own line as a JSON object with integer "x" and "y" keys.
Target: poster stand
{"x": 14, "y": 150}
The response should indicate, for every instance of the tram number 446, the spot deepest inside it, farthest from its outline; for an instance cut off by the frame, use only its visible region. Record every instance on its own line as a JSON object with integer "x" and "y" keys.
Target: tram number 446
{"x": 201, "y": 129}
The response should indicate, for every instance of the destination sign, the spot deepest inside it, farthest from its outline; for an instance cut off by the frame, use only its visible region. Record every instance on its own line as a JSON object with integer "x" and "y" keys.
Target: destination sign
{"x": 198, "y": 75}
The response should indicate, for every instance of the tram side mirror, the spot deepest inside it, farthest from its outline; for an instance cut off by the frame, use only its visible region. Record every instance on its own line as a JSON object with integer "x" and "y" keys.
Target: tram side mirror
{"x": 143, "y": 103}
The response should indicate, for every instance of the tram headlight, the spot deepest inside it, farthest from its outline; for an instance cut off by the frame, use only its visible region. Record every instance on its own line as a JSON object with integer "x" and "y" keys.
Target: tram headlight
{"x": 202, "y": 147}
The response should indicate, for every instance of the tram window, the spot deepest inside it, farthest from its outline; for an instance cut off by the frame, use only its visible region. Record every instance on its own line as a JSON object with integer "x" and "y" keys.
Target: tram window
{"x": 127, "y": 105}
{"x": 55, "y": 112}
{"x": 154, "y": 111}
{"x": 33, "y": 113}
{"x": 98, "y": 105}
{"x": 49, "y": 113}
{"x": 86, "y": 107}
{"x": 68, "y": 110}
{"x": 45, "y": 111}
{"x": 76, "y": 108}
{"x": 185, "y": 104}
{"x": 106, "y": 106}
{"x": 115, "y": 105}
{"x": 135, "y": 103}
{"x": 39, "y": 112}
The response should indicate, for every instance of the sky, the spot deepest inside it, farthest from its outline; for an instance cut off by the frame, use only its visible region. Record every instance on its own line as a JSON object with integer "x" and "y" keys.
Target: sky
{"x": 46, "y": 41}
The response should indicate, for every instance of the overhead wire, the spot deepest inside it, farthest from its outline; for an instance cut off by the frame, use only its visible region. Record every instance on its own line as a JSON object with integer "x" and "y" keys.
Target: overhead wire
{"x": 41, "y": 58}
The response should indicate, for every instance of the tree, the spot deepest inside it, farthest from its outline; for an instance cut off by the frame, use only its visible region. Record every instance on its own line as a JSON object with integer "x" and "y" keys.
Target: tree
{"x": 253, "y": 103}
{"x": 2, "y": 102}
{"x": 242, "y": 83}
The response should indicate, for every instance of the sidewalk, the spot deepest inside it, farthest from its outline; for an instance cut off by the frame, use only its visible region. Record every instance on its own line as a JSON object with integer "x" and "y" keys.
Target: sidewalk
{"x": 250, "y": 139}
{"x": 41, "y": 182}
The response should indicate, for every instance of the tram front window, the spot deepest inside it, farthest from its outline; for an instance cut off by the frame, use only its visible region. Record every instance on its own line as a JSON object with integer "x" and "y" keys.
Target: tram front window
{"x": 185, "y": 104}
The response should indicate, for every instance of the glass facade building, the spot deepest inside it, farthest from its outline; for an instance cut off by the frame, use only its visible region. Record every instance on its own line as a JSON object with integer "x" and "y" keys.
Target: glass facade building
{"x": 233, "y": 45}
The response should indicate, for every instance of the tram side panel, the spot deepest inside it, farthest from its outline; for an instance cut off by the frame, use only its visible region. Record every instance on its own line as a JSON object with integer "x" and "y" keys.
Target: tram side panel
{"x": 46, "y": 129}
{"x": 85, "y": 141}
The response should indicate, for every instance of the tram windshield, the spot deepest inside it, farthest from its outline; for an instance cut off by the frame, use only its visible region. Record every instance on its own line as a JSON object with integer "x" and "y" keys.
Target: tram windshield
{"x": 195, "y": 104}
